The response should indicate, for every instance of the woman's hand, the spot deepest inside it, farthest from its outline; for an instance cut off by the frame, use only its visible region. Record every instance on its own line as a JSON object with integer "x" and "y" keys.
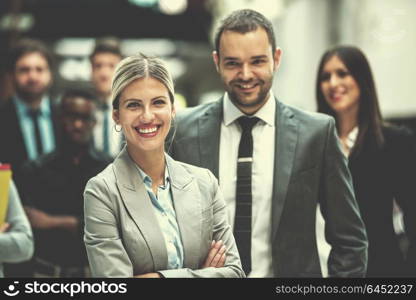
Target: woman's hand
{"x": 216, "y": 256}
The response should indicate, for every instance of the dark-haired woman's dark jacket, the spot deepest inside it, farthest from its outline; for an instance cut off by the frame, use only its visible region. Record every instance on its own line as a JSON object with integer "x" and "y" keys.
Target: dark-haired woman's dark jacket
{"x": 381, "y": 174}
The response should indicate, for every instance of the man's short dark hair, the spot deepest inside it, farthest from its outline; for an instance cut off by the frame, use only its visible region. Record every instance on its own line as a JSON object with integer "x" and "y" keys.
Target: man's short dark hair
{"x": 79, "y": 93}
{"x": 106, "y": 45}
{"x": 243, "y": 21}
{"x": 27, "y": 46}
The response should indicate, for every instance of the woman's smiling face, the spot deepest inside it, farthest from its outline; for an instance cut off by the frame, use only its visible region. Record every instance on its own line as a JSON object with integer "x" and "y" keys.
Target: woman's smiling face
{"x": 145, "y": 113}
{"x": 339, "y": 87}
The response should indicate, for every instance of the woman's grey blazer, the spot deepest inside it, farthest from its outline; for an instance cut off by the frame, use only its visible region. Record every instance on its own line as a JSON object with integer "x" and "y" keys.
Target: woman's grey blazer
{"x": 122, "y": 235}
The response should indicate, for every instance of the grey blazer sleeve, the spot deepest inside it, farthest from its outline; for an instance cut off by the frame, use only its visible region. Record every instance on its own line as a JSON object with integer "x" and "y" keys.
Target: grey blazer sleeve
{"x": 344, "y": 228}
{"x": 105, "y": 250}
{"x": 222, "y": 231}
{"x": 16, "y": 245}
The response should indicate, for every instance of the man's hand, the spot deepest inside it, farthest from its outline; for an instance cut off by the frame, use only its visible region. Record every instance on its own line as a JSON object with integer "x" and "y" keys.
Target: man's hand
{"x": 4, "y": 227}
{"x": 216, "y": 256}
{"x": 38, "y": 219}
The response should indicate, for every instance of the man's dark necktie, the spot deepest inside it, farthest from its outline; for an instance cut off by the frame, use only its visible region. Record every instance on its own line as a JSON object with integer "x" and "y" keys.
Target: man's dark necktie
{"x": 106, "y": 137}
{"x": 34, "y": 115}
{"x": 242, "y": 223}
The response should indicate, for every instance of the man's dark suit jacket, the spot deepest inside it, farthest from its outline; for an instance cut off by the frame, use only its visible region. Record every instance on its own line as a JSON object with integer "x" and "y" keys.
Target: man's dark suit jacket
{"x": 54, "y": 184}
{"x": 309, "y": 169}
{"x": 381, "y": 174}
{"x": 13, "y": 149}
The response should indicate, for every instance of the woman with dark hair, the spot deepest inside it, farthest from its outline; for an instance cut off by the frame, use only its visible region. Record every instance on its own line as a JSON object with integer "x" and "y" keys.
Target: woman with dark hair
{"x": 382, "y": 158}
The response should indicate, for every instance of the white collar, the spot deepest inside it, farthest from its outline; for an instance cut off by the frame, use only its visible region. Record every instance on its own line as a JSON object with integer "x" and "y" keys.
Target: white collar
{"x": 352, "y": 138}
{"x": 266, "y": 113}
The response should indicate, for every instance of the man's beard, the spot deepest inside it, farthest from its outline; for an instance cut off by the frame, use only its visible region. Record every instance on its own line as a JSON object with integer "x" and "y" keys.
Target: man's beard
{"x": 261, "y": 96}
{"x": 30, "y": 96}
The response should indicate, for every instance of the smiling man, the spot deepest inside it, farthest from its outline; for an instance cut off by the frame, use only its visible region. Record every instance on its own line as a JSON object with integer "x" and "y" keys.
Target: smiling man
{"x": 28, "y": 121}
{"x": 104, "y": 59}
{"x": 275, "y": 163}
{"x": 52, "y": 191}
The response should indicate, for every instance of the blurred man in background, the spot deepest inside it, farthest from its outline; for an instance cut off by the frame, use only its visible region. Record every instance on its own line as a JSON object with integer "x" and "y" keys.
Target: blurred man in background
{"x": 28, "y": 121}
{"x": 52, "y": 191}
{"x": 104, "y": 59}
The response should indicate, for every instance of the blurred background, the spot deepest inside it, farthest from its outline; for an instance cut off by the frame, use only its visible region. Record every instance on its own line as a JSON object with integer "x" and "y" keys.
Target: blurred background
{"x": 180, "y": 31}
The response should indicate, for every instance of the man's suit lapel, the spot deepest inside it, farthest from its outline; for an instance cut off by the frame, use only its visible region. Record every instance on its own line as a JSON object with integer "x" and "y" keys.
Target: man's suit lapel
{"x": 57, "y": 130}
{"x": 285, "y": 145}
{"x": 209, "y": 132}
{"x": 186, "y": 198}
{"x": 139, "y": 206}
{"x": 15, "y": 133}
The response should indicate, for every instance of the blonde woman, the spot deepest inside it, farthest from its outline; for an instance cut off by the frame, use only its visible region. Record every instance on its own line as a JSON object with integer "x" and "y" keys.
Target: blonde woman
{"x": 147, "y": 215}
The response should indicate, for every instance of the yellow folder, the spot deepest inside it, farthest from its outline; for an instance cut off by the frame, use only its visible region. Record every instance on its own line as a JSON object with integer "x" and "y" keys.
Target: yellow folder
{"x": 5, "y": 177}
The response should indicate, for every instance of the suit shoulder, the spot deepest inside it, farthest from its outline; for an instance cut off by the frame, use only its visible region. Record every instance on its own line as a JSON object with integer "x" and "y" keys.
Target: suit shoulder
{"x": 101, "y": 156}
{"x": 198, "y": 172}
{"x": 394, "y": 131}
{"x": 105, "y": 178}
{"x": 206, "y": 180}
{"x": 6, "y": 109}
{"x": 311, "y": 121}
{"x": 40, "y": 162}
{"x": 196, "y": 111}
{"x": 308, "y": 116}
{"x": 6, "y": 105}
{"x": 398, "y": 137}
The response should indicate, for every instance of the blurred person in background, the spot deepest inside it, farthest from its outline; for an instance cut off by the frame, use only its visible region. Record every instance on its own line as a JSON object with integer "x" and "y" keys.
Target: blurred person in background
{"x": 16, "y": 240}
{"x": 147, "y": 215}
{"x": 382, "y": 157}
{"x": 53, "y": 186}
{"x": 28, "y": 121}
{"x": 104, "y": 59}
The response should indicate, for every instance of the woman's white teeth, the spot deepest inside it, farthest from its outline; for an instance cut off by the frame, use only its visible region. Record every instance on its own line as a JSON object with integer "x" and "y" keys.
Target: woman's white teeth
{"x": 147, "y": 130}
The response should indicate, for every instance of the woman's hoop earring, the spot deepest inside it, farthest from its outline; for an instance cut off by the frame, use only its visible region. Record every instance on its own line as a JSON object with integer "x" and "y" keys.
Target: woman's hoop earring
{"x": 115, "y": 128}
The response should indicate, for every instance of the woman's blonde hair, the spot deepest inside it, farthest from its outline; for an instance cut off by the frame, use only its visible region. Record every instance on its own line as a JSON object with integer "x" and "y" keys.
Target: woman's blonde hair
{"x": 139, "y": 66}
